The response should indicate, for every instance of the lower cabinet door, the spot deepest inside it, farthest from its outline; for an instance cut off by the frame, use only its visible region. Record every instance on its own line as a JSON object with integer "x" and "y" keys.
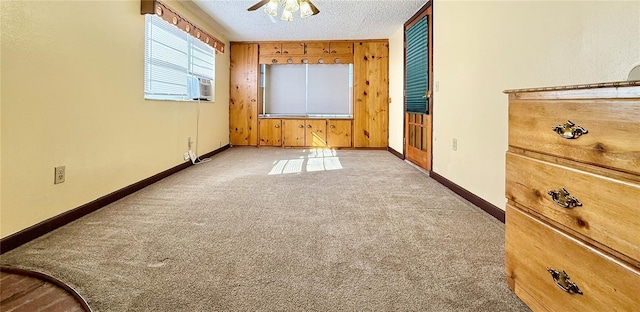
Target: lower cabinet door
{"x": 316, "y": 133}
{"x": 556, "y": 271}
{"x": 270, "y": 132}
{"x": 293, "y": 132}
{"x": 339, "y": 133}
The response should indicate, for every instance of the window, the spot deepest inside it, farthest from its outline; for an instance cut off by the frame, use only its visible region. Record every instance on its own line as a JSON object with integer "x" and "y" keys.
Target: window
{"x": 417, "y": 67}
{"x": 308, "y": 89}
{"x": 177, "y": 66}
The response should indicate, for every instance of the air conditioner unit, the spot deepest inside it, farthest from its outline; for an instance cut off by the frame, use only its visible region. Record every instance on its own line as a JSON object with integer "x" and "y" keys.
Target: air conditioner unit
{"x": 200, "y": 89}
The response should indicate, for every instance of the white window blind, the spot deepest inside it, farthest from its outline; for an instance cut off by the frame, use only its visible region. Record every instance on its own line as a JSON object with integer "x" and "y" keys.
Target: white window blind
{"x": 285, "y": 91}
{"x": 172, "y": 57}
{"x": 308, "y": 89}
{"x": 329, "y": 89}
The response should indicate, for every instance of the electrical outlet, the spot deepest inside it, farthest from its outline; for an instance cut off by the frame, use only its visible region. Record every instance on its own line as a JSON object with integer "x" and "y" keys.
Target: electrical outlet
{"x": 455, "y": 144}
{"x": 58, "y": 175}
{"x": 186, "y": 156}
{"x": 189, "y": 142}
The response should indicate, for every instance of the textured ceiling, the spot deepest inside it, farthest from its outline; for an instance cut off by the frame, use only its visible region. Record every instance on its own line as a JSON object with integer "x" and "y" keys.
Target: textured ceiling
{"x": 338, "y": 19}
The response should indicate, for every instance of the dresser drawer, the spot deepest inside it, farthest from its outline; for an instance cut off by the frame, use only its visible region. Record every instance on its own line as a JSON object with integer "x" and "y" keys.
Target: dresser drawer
{"x": 608, "y": 210}
{"x": 532, "y": 247}
{"x": 611, "y": 130}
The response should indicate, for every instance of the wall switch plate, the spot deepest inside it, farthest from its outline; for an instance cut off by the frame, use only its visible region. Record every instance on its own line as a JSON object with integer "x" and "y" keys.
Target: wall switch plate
{"x": 437, "y": 86}
{"x": 58, "y": 175}
{"x": 455, "y": 144}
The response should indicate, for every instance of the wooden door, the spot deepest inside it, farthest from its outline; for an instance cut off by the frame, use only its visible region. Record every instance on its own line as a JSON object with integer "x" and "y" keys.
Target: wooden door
{"x": 293, "y": 132}
{"x": 418, "y": 82}
{"x": 371, "y": 94}
{"x": 243, "y": 94}
{"x": 316, "y": 133}
{"x": 270, "y": 132}
{"x": 339, "y": 133}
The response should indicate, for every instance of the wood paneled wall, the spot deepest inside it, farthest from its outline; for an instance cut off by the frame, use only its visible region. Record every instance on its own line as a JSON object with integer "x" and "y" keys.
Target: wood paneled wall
{"x": 370, "y": 103}
{"x": 371, "y": 94}
{"x": 243, "y": 97}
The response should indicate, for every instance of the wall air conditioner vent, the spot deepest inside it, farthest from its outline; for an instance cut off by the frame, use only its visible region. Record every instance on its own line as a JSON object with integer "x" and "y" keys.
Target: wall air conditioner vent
{"x": 200, "y": 89}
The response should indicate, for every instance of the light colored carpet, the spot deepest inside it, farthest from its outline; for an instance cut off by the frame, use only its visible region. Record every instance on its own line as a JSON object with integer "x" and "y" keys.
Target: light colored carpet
{"x": 270, "y": 229}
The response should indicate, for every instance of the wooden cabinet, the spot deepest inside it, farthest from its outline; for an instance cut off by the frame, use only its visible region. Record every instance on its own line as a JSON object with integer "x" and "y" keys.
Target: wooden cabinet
{"x": 293, "y": 132}
{"x": 371, "y": 94}
{"x": 282, "y": 48}
{"x": 243, "y": 94}
{"x": 315, "y": 133}
{"x": 371, "y": 87}
{"x": 339, "y": 133}
{"x": 270, "y": 132}
{"x": 341, "y": 48}
{"x": 573, "y": 185}
{"x": 318, "y": 48}
{"x": 326, "y": 48}
{"x": 319, "y": 133}
{"x": 312, "y": 52}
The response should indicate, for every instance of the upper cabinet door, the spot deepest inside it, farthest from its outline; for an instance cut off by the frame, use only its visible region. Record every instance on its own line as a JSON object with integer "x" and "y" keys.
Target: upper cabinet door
{"x": 270, "y": 48}
{"x": 341, "y": 47}
{"x": 318, "y": 48}
{"x": 292, "y": 48}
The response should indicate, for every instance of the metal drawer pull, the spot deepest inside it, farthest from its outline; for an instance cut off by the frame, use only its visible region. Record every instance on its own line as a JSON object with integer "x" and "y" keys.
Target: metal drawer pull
{"x": 569, "y": 130}
{"x": 563, "y": 199}
{"x": 308, "y": 126}
{"x": 277, "y": 126}
{"x": 562, "y": 280}
{"x": 300, "y": 126}
{"x": 332, "y": 126}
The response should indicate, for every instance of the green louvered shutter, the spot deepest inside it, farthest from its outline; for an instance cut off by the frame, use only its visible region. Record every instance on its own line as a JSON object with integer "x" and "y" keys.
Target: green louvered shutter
{"x": 417, "y": 67}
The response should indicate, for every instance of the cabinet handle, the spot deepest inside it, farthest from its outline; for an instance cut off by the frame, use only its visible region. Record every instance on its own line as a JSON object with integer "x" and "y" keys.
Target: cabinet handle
{"x": 285, "y": 52}
{"x": 563, "y": 199}
{"x": 308, "y": 126}
{"x": 300, "y": 126}
{"x": 569, "y": 130}
{"x": 562, "y": 280}
{"x": 277, "y": 126}
{"x": 332, "y": 126}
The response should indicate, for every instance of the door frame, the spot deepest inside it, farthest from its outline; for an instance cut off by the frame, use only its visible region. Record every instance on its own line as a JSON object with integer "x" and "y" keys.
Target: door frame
{"x": 427, "y": 9}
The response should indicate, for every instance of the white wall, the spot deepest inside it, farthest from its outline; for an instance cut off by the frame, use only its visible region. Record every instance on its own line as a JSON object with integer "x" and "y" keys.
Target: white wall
{"x": 484, "y": 47}
{"x": 72, "y": 95}
{"x": 396, "y": 90}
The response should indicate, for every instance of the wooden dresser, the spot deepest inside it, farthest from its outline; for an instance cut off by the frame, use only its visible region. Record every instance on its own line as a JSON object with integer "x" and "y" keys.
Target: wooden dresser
{"x": 573, "y": 197}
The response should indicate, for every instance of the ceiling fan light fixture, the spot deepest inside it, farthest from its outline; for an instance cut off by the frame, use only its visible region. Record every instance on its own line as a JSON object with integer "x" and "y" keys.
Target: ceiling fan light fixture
{"x": 288, "y": 8}
{"x": 305, "y": 9}
{"x": 291, "y": 5}
{"x": 287, "y": 15}
{"x": 272, "y": 8}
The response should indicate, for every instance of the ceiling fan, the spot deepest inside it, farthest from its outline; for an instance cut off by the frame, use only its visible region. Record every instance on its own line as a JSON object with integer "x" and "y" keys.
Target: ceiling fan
{"x": 306, "y": 8}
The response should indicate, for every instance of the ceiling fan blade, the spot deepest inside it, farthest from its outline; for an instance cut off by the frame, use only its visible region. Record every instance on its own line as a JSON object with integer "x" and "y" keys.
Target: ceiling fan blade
{"x": 257, "y": 5}
{"x": 313, "y": 8}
